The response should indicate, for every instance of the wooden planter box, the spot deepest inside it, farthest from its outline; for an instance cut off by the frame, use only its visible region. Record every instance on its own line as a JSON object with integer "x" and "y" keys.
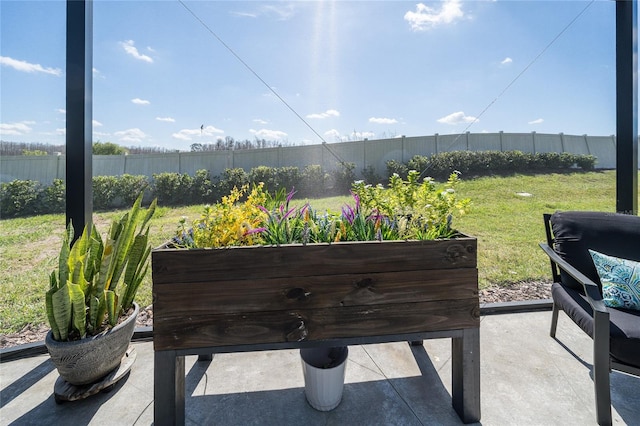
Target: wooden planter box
{"x": 268, "y": 297}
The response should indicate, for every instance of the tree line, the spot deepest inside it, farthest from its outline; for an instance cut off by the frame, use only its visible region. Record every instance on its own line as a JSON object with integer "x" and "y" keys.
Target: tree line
{"x": 110, "y": 148}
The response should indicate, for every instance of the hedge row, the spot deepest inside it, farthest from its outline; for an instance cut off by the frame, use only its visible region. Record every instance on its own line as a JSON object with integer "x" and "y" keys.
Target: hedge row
{"x": 26, "y": 197}
{"x": 23, "y": 198}
{"x": 482, "y": 163}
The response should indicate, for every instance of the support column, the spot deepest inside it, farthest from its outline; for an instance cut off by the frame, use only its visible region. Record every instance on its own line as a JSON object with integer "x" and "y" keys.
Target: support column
{"x": 627, "y": 106}
{"x": 79, "y": 63}
{"x": 168, "y": 388}
{"x": 465, "y": 375}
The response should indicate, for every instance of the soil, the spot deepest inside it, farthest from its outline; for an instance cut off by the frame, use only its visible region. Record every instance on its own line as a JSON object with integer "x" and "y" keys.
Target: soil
{"x": 31, "y": 333}
{"x": 493, "y": 294}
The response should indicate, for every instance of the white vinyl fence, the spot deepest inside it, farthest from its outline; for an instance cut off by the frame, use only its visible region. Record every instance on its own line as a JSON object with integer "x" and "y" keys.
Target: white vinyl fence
{"x": 366, "y": 153}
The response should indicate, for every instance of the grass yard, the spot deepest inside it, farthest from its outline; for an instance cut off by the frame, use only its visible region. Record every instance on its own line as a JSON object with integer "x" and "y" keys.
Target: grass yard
{"x": 508, "y": 227}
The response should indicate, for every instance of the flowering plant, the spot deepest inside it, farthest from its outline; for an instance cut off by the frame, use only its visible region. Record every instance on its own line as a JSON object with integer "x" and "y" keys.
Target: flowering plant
{"x": 227, "y": 223}
{"x": 405, "y": 210}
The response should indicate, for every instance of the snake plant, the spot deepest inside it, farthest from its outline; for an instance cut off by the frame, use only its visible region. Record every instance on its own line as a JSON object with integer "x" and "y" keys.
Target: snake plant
{"x": 96, "y": 281}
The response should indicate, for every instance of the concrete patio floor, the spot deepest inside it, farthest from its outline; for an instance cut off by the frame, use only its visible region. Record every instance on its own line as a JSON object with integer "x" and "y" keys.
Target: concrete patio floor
{"x": 527, "y": 378}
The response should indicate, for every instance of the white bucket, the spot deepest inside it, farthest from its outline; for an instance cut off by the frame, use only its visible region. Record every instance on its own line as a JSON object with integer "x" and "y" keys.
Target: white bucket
{"x": 323, "y": 386}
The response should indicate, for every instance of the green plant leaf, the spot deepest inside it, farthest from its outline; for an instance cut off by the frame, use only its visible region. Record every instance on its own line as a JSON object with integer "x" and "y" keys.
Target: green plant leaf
{"x": 94, "y": 307}
{"x": 94, "y": 257}
{"x": 101, "y": 311}
{"x": 63, "y": 258}
{"x": 110, "y": 298}
{"x": 79, "y": 314}
{"x": 49, "y": 308}
{"x": 103, "y": 277}
{"x": 61, "y": 306}
{"x": 136, "y": 270}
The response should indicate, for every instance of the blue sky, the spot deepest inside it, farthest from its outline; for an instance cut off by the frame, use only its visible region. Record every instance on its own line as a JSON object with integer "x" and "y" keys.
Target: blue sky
{"x": 351, "y": 69}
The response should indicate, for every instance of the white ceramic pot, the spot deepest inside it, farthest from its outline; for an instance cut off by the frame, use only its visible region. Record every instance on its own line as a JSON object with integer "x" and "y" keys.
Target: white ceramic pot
{"x": 324, "y": 370}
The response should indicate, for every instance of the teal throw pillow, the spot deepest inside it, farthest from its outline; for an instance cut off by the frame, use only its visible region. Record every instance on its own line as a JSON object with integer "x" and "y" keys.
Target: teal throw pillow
{"x": 620, "y": 280}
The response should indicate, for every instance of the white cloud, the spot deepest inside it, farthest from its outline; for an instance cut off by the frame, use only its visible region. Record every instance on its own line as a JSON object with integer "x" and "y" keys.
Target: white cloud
{"x": 328, "y": 113}
{"x": 362, "y": 135}
{"x": 506, "y": 61}
{"x": 457, "y": 118}
{"x": 270, "y": 135}
{"x": 336, "y": 135}
{"x": 96, "y": 123}
{"x": 129, "y": 47}
{"x": 15, "y": 129}
{"x": 61, "y": 110}
{"x": 187, "y": 134}
{"x": 281, "y": 12}
{"x": 382, "y": 120}
{"x": 98, "y": 74}
{"x": 131, "y": 135}
{"x": 426, "y": 17}
{"x": 260, "y": 121}
{"x": 139, "y": 101}
{"x": 61, "y": 132}
{"x": 538, "y": 121}
{"x": 166, "y": 119}
{"x": 245, "y": 14}
{"x": 333, "y": 133}
{"x": 28, "y": 67}
{"x": 181, "y": 135}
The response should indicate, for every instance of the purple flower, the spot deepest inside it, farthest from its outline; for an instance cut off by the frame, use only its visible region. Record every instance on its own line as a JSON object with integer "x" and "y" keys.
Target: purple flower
{"x": 287, "y": 214}
{"x": 255, "y": 231}
{"x": 348, "y": 214}
{"x": 356, "y": 197}
{"x": 291, "y": 194}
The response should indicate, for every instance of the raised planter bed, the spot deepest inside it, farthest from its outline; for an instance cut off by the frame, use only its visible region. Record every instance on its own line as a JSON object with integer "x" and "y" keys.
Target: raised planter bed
{"x": 294, "y": 296}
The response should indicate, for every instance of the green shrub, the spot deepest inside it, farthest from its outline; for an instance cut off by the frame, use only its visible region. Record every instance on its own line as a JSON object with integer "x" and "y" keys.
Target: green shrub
{"x": 397, "y": 168}
{"x": 288, "y": 177}
{"x": 53, "y": 197}
{"x": 128, "y": 187}
{"x": 276, "y": 178}
{"x": 231, "y": 178}
{"x": 342, "y": 178}
{"x": 19, "y": 198}
{"x": 586, "y": 162}
{"x": 482, "y": 163}
{"x": 266, "y": 175}
{"x": 312, "y": 181}
{"x": 420, "y": 163}
{"x": 370, "y": 176}
{"x": 203, "y": 187}
{"x": 173, "y": 189}
{"x": 105, "y": 190}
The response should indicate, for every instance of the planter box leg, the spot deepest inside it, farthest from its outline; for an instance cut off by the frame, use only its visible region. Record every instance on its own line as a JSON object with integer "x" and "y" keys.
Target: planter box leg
{"x": 466, "y": 375}
{"x": 168, "y": 388}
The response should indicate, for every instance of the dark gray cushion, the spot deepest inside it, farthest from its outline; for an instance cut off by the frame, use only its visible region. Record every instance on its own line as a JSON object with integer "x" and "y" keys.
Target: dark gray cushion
{"x": 612, "y": 234}
{"x": 625, "y": 323}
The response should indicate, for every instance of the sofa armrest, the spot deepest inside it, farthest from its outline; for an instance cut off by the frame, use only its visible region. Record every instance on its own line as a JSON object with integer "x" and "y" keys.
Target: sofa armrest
{"x": 591, "y": 289}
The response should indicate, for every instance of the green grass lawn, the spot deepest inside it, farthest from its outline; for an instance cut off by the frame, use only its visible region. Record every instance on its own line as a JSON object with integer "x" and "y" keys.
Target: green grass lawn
{"x": 508, "y": 227}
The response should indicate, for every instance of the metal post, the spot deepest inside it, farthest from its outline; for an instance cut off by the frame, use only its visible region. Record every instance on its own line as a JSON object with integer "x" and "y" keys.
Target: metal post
{"x": 627, "y": 106}
{"x": 168, "y": 388}
{"x": 79, "y": 113}
{"x": 465, "y": 375}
